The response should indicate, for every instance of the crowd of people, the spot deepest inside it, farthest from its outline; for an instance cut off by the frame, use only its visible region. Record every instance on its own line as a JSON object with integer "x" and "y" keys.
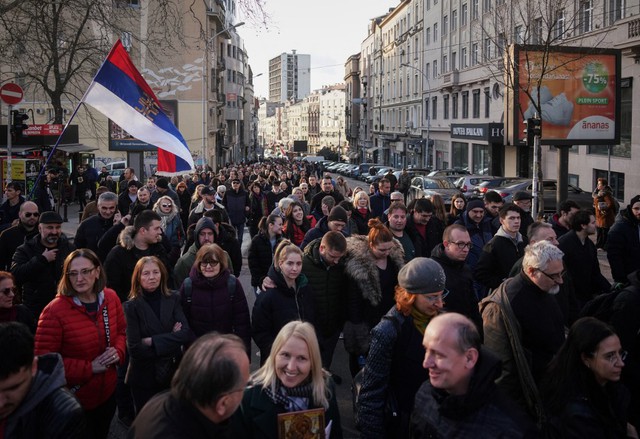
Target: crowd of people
{"x": 471, "y": 322}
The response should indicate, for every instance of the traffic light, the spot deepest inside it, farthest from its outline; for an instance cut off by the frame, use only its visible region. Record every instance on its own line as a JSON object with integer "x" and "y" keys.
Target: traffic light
{"x": 529, "y": 131}
{"x": 18, "y": 125}
{"x": 537, "y": 126}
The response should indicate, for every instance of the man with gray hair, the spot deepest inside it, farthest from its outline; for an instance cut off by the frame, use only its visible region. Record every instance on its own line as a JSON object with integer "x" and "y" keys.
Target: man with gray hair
{"x": 92, "y": 229}
{"x": 205, "y": 391}
{"x": 523, "y": 323}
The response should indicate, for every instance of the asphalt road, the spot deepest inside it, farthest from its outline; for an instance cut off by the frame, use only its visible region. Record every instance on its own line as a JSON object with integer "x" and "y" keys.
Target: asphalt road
{"x": 340, "y": 365}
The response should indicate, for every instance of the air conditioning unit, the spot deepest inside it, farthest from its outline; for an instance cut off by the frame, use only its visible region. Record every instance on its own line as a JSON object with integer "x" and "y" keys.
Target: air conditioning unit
{"x": 40, "y": 110}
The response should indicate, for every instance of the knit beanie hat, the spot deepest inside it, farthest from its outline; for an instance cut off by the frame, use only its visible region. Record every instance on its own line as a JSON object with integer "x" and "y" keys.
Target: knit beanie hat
{"x": 422, "y": 276}
{"x": 475, "y": 204}
{"x": 338, "y": 214}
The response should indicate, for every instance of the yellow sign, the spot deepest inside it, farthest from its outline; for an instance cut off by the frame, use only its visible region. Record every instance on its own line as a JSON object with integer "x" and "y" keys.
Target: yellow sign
{"x": 18, "y": 169}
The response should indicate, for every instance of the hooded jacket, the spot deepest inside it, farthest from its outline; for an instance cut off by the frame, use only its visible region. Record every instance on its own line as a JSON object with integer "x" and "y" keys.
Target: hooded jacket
{"x": 184, "y": 264}
{"x": 278, "y": 306}
{"x": 48, "y": 410}
{"x": 37, "y": 276}
{"x": 482, "y": 412}
{"x": 623, "y": 245}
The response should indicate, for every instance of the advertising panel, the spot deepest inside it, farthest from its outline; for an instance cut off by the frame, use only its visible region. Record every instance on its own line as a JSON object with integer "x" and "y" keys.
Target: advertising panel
{"x": 120, "y": 140}
{"x": 578, "y": 89}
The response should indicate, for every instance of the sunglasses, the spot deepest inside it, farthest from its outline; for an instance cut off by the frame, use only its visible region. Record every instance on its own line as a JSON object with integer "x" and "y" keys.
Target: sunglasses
{"x": 30, "y": 214}
{"x": 7, "y": 291}
{"x": 166, "y": 205}
{"x": 209, "y": 263}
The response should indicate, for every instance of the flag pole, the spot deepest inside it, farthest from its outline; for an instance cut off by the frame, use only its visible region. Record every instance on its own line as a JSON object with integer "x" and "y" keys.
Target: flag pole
{"x": 73, "y": 115}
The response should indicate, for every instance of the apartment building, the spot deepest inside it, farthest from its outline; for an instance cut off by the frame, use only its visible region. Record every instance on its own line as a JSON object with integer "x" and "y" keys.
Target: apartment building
{"x": 289, "y": 77}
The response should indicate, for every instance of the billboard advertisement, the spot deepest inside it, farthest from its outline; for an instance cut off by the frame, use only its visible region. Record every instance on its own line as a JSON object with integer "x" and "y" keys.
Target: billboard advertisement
{"x": 120, "y": 140}
{"x": 578, "y": 90}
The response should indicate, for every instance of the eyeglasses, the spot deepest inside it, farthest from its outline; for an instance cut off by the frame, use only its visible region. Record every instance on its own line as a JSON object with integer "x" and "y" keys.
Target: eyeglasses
{"x": 441, "y": 296}
{"x": 166, "y": 205}
{"x": 556, "y": 277}
{"x": 82, "y": 273}
{"x": 462, "y": 245}
{"x": 211, "y": 264}
{"x": 30, "y": 214}
{"x": 612, "y": 357}
{"x": 8, "y": 291}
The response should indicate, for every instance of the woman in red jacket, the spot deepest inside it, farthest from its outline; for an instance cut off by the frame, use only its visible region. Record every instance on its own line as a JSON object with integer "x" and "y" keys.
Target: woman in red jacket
{"x": 85, "y": 324}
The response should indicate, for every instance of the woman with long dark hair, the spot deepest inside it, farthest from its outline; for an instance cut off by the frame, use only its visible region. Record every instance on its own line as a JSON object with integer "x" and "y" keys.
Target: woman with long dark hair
{"x": 262, "y": 248}
{"x": 582, "y": 390}
{"x": 258, "y": 207}
{"x": 457, "y": 209}
{"x": 157, "y": 330}
{"x": 296, "y": 224}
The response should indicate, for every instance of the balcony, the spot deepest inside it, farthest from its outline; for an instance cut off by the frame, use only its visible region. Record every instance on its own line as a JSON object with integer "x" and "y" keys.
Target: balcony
{"x": 626, "y": 36}
{"x": 216, "y": 12}
{"x": 451, "y": 79}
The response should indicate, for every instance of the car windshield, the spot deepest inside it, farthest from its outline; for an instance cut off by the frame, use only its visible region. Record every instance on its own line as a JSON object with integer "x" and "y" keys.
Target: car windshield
{"x": 439, "y": 183}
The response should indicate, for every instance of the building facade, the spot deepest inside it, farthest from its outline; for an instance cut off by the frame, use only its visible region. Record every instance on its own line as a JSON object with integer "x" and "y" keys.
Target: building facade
{"x": 289, "y": 77}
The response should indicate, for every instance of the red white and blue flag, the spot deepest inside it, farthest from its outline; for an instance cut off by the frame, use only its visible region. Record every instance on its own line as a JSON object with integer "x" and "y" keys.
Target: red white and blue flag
{"x": 120, "y": 93}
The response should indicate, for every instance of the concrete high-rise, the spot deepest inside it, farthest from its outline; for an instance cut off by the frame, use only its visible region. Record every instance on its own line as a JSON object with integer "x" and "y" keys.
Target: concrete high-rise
{"x": 289, "y": 77}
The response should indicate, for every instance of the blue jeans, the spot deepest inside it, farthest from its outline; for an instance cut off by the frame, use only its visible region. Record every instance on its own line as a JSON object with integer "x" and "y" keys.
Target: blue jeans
{"x": 239, "y": 231}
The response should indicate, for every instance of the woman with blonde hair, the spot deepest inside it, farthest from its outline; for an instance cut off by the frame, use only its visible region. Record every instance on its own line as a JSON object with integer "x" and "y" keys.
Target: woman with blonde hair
{"x": 362, "y": 212}
{"x": 85, "y": 324}
{"x": 290, "y": 299}
{"x": 171, "y": 225}
{"x": 342, "y": 187}
{"x": 157, "y": 330}
{"x": 291, "y": 380}
{"x": 213, "y": 299}
{"x": 196, "y": 197}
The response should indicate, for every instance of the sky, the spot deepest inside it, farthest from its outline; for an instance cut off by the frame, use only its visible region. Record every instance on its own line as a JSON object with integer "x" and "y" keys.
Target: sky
{"x": 328, "y": 30}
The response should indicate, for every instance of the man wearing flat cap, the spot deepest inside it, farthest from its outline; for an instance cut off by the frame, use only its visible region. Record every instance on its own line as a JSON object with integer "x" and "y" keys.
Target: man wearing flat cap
{"x": 393, "y": 370}
{"x": 37, "y": 264}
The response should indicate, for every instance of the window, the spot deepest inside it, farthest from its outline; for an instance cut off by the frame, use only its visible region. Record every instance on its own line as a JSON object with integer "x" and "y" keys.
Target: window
{"x": 474, "y": 54}
{"x": 463, "y": 59}
{"x": 435, "y": 32}
{"x": 428, "y": 36}
{"x": 626, "y": 109}
{"x": 502, "y": 41}
{"x": 454, "y": 61}
{"x": 486, "y": 6}
{"x": 434, "y": 107}
{"x": 426, "y": 109}
{"x": 454, "y": 20}
{"x": 445, "y": 25}
{"x": 481, "y": 158}
{"x": 459, "y": 155}
{"x": 560, "y": 24}
{"x": 586, "y": 16}
{"x": 445, "y": 64}
{"x": 463, "y": 16}
{"x": 536, "y": 32}
{"x": 487, "y": 102}
{"x": 427, "y": 71}
{"x": 454, "y": 105}
{"x": 126, "y": 41}
{"x": 465, "y": 105}
{"x": 616, "y": 10}
{"x": 474, "y": 9}
{"x": 486, "y": 51}
{"x": 476, "y": 103}
{"x": 435, "y": 68}
{"x": 616, "y": 181}
{"x": 445, "y": 106}
{"x": 519, "y": 34}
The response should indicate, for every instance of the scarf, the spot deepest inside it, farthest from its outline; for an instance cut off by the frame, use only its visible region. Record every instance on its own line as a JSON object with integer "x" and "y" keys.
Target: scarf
{"x": 285, "y": 396}
{"x": 420, "y": 320}
{"x": 166, "y": 219}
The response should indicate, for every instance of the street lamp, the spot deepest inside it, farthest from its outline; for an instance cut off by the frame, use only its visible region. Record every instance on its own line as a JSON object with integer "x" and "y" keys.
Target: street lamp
{"x": 205, "y": 93}
{"x": 428, "y": 112}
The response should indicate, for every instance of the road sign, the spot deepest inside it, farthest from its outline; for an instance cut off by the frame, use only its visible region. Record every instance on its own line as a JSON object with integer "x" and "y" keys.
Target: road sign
{"x": 11, "y": 93}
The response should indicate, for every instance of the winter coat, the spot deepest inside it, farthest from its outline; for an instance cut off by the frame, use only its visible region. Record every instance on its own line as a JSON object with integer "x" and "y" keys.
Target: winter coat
{"x": 198, "y": 212}
{"x": 214, "y": 308}
{"x": 227, "y": 240}
{"x": 90, "y": 231}
{"x": 434, "y": 231}
{"x": 236, "y": 204}
{"x": 393, "y": 372}
{"x": 459, "y": 282}
{"x": 143, "y": 322}
{"x": 480, "y": 235}
{"x": 329, "y": 295}
{"x": 48, "y": 410}
{"x": 557, "y": 227}
{"x": 257, "y": 416}
{"x": 321, "y": 229}
{"x": 260, "y": 257}
{"x": 605, "y": 208}
{"x": 167, "y": 417}
{"x": 295, "y": 233}
{"x": 379, "y": 204}
{"x": 362, "y": 222}
{"x": 278, "y": 306}
{"x": 10, "y": 240}
{"x": 367, "y": 300}
{"x": 124, "y": 202}
{"x": 66, "y": 327}
{"x": 482, "y": 412}
{"x": 316, "y": 201}
{"x": 623, "y": 245}
{"x": 136, "y": 208}
{"x": 38, "y": 277}
{"x": 122, "y": 259}
{"x": 497, "y": 258}
{"x": 9, "y": 213}
{"x": 581, "y": 261}
{"x": 258, "y": 207}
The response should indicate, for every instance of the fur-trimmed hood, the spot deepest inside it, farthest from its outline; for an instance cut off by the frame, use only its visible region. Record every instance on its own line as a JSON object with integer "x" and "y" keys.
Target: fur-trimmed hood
{"x": 360, "y": 266}
{"x": 125, "y": 238}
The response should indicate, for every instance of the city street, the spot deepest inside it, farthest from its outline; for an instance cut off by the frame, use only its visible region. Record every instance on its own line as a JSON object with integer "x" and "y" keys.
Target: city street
{"x": 340, "y": 364}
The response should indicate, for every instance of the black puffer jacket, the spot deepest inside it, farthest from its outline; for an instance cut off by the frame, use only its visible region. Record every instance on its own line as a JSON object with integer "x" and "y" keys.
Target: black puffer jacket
{"x": 623, "y": 245}
{"x": 424, "y": 246}
{"x": 278, "y": 306}
{"x": 497, "y": 259}
{"x": 90, "y": 231}
{"x": 260, "y": 257}
{"x": 329, "y": 293}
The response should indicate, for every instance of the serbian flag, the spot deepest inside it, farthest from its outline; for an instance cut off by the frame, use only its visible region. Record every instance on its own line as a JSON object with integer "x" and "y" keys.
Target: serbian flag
{"x": 120, "y": 92}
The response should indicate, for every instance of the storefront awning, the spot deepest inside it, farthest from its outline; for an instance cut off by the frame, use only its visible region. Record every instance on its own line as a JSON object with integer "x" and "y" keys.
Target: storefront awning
{"x": 76, "y": 147}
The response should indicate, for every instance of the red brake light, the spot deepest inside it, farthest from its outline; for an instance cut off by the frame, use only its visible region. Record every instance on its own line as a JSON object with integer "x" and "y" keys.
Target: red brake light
{"x": 504, "y": 194}
{"x": 464, "y": 188}
{"x": 483, "y": 189}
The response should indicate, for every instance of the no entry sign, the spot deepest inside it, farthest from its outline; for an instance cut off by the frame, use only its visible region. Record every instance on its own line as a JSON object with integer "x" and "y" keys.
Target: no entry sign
{"x": 11, "y": 94}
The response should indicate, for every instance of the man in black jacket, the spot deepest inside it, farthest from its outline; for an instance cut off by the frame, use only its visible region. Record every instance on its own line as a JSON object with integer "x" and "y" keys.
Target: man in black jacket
{"x": 37, "y": 264}
{"x": 13, "y": 237}
{"x": 424, "y": 228}
{"x": 236, "y": 201}
{"x": 35, "y": 402}
{"x": 327, "y": 190}
{"x": 93, "y": 228}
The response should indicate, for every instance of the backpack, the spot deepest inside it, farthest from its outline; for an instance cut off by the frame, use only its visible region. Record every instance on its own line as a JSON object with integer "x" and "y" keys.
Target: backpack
{"x": 187, "y": 291}
{"x": 601, "y": 306}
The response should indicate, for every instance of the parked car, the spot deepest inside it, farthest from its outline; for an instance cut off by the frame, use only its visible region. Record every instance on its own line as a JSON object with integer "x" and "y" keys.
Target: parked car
{"x": 378, "y": 175}
{"x": 445, "y": 172}
{"x": 424, "y": 186}
{"x": 549, "y": 187}
{"x": 493, "y": 183}
{"x": 467, "y": 183}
